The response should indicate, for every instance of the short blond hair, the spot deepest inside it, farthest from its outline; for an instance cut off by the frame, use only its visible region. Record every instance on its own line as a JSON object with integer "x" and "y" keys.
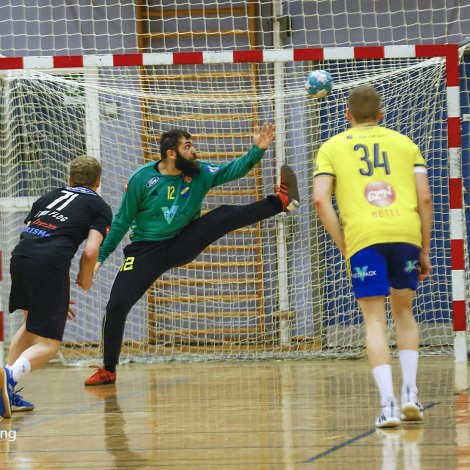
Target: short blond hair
{"x": 85, "y": 171}
{"x": 364, "y": 103}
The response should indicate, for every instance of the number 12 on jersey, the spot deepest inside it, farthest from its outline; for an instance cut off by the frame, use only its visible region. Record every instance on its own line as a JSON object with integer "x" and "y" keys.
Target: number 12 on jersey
{"x": 380, "y": 159}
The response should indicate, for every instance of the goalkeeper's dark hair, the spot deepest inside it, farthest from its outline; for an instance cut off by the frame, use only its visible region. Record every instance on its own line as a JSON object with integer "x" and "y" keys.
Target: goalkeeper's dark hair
{"x": 171, "y": 139}
{"x": 364, "y": 103}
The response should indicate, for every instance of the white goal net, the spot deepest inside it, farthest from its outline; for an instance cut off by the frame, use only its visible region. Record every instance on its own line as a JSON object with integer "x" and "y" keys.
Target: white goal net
{"x": 278, "y": 288}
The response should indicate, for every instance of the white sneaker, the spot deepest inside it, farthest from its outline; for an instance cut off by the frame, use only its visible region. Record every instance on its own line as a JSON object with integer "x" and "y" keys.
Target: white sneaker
{"x": 388, "y": 418}
{"x": 411, "y": 407}
{"x": 412, "y": 411}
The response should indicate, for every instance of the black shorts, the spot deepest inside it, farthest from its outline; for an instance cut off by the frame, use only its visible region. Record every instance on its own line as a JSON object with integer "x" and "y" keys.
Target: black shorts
{"x": 44, "y": 291}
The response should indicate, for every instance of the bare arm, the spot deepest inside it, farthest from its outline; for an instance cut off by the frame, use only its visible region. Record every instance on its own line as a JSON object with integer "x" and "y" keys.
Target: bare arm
{"x": 322, "y": 191}
{"x": 88, "y": 259}
{"x": 425, "y": 210}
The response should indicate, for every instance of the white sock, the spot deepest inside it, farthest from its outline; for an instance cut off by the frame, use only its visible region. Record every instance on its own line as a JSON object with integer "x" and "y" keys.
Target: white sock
{"x": 21, "y": 367}
{"x": 409, "y": 369}
{"x": 383, "y": 379}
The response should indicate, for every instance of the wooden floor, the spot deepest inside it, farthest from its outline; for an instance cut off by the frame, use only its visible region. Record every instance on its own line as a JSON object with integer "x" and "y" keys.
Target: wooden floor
{"x": 242, "y": 415}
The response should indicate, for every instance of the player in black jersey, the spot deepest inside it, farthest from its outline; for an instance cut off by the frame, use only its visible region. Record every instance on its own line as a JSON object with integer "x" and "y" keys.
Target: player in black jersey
{"x": 57, "y": 224}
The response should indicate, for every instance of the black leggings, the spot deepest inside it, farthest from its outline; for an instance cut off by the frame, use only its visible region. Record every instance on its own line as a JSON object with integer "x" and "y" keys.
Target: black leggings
{"x": 145, "y": 262}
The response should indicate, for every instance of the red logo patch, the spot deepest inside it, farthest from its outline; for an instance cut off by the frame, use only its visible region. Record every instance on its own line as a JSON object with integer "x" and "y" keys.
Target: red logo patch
{"x": 380, "y": 194}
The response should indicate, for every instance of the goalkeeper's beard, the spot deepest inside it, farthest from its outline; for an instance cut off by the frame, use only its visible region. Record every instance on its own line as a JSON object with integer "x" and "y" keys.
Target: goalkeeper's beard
{"x": 188, "y": 167}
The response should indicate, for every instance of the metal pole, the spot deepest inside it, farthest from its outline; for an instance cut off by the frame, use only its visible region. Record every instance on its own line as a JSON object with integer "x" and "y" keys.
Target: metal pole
{"x": 279, "y": 121}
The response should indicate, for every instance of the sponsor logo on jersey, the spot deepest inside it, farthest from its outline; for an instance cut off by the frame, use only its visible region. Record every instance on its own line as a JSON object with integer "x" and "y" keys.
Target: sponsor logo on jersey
{"x": 362, "y": 273}
{"x": 152, "y": 181}
{"x": 36, "y": 231}
{"x": 213, "y": 169}
{"x": 411, "y": 265}
{"x": 188, "y": 179}
{"x": 43, "y": 224}
{"x": 169, "y": 214}
{"x": 185, "y": 191}
{"x": 380, "y": 194}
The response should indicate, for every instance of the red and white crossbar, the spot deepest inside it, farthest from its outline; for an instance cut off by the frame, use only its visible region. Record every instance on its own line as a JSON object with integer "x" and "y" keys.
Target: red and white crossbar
{"x": 251, "y": 56}
{"x": 447, "y": 51}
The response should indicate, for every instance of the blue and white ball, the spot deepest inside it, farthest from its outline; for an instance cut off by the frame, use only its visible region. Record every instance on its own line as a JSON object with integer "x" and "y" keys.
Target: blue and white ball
{"x": 319, "y": 83}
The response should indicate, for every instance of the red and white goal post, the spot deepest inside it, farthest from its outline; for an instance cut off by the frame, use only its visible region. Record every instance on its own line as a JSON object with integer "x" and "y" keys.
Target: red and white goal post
{"x": 278, "y": 289}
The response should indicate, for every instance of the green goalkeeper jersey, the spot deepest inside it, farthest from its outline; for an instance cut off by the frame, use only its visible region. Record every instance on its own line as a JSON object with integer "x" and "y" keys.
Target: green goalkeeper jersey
{"x": 157, "y": 207}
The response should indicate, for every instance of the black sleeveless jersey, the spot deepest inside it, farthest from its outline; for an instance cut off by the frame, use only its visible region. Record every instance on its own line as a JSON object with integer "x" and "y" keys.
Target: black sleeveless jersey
{"x": 59, "y": 222}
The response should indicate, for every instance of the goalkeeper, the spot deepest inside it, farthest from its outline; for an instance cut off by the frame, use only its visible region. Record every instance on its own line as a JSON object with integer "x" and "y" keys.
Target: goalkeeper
{"x": 161, "y": 205}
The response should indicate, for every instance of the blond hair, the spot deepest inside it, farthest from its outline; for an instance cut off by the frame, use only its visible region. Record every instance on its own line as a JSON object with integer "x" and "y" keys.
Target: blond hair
{"x": 85, "y": 171}
{"x": 364, "y": 103}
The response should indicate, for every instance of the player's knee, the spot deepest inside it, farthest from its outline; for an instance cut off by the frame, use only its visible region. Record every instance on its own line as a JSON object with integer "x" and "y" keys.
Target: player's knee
{"x": 225, "y": 210}
{"x": 118, "y": 308}
{"x": 404, "y": 315}
{"x": 51, "y": 346}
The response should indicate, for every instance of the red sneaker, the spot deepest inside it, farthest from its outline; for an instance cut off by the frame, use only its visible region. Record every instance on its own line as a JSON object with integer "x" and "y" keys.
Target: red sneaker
{"x": 288, "y": 193}
{"x": 101, "y": 377}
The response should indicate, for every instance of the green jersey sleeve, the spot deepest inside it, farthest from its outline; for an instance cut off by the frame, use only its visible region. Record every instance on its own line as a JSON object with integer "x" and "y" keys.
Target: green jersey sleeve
{"x": 238, "y": 167}
{"x": 122, "y": 220}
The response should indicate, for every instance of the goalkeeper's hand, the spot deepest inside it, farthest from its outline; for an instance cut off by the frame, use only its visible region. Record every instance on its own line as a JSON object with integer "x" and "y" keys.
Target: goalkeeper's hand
{"x": 71, "y": 313}
{"x": 264, "y": 135}
{"x": 97, "y": 267}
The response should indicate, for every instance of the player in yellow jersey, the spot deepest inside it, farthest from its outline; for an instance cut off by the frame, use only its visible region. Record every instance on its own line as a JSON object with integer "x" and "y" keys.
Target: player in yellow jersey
{"x": 380, "y": 181}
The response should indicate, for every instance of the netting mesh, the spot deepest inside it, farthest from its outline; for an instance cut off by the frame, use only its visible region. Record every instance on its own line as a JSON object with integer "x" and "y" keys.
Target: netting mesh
{"x": 59, "y": 27}
{"x": 465, "y": 106}
{"x": 278, "y": 288}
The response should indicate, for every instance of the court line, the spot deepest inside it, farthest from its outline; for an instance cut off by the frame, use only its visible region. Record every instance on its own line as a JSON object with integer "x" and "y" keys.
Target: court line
{"x": 337, "y": 447}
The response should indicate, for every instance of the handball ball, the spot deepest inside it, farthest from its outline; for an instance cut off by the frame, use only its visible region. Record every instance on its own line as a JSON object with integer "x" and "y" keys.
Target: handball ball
{"x": 319, "y": 83}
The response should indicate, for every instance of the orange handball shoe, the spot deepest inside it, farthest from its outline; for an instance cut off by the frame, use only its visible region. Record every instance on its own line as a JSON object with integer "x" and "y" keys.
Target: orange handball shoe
{"x": 101, "y": 377}
{"x": 288, "y": 193}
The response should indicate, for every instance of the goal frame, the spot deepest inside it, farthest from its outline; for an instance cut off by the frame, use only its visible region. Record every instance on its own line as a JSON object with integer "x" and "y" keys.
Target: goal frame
{"x": 450, "y": 52}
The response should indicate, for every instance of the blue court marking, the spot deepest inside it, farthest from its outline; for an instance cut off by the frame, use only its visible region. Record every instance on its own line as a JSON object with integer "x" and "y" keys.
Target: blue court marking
{"x": 339, "y": 446}
{"x": 85, "y": 409}
{"x": 351, "y": 441}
